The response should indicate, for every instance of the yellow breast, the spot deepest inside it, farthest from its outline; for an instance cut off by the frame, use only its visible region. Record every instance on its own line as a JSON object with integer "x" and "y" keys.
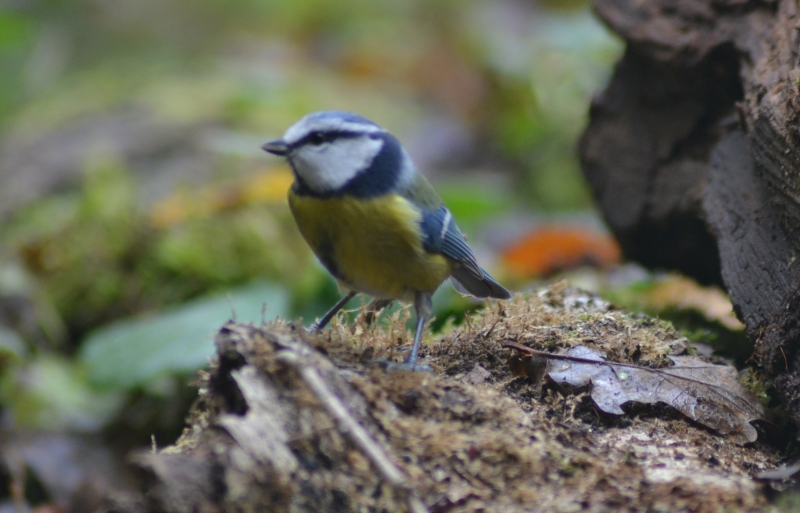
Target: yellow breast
{"x": 372, "y": 246}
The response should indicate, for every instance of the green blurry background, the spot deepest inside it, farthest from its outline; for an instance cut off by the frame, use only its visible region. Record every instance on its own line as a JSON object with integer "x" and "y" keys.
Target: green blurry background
{"x": 139, "y": 214}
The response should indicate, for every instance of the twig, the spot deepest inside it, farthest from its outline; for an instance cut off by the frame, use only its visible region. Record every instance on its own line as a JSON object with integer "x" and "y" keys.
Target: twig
{"x": 589, "y": 361}
{"x": 577, "y": 359}
{"x": 352, "y": 429}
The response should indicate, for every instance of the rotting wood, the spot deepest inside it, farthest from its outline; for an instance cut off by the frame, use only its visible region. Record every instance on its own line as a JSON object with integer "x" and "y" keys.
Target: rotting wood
{"x": 692, "y": 152}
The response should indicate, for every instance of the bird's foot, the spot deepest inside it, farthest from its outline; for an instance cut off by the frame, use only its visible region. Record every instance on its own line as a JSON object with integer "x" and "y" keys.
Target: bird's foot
{"x": 405, "y": 366}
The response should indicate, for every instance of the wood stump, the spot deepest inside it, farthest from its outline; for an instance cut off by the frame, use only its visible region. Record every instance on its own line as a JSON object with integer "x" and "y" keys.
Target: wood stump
{"x": 692, "y": 153}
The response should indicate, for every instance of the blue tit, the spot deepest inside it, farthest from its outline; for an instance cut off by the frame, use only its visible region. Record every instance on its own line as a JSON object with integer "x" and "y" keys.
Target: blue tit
{"x": 372, "y": 219}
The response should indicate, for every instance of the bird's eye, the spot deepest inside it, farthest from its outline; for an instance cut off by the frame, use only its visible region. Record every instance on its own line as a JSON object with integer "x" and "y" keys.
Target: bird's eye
{"x": 316, "y": 138}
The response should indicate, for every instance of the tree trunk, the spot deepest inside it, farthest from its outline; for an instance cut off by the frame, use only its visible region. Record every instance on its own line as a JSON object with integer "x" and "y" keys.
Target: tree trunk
{"x": 692, "y": 154}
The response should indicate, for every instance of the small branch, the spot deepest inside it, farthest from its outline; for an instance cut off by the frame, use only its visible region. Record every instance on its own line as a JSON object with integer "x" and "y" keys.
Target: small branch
{"x": 555, "y": 356}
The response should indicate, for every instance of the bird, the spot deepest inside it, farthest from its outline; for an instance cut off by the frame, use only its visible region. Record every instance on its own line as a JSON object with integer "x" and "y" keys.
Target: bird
{"x": 373, "y": 220}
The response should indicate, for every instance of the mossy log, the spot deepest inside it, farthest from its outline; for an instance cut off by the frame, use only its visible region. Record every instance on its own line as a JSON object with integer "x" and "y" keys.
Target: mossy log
{"x": 288, "y": 422}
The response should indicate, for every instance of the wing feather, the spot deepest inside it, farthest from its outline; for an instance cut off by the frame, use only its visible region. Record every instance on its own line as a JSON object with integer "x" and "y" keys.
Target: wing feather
{"x": 441, "y": 235}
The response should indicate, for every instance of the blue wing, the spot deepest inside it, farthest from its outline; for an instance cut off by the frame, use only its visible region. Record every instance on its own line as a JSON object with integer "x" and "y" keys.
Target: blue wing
{"x": 441, "y": 235}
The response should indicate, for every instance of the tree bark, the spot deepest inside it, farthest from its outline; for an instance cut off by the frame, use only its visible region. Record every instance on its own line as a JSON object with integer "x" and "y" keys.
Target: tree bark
{"x": 692, "y": 153}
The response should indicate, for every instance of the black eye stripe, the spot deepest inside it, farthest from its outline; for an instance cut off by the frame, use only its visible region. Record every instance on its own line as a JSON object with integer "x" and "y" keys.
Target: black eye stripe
{"x": 317, "y": 138}
{"x": 320, "y": 137}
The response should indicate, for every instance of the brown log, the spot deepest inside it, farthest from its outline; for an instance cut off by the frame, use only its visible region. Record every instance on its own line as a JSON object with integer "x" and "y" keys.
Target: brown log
{"x": 692, "y": 153}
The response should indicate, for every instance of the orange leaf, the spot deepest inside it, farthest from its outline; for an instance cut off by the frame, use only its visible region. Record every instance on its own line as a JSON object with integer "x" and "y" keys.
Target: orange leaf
{"x": 549, "y": 249}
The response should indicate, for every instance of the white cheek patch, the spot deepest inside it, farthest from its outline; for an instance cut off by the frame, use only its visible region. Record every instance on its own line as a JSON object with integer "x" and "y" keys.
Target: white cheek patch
{"x": 407, "y": 171}
{"x": 330, "y": 166}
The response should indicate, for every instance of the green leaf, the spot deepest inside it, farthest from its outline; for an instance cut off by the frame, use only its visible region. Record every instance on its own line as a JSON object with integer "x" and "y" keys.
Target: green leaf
{"x": 135, "y": 352}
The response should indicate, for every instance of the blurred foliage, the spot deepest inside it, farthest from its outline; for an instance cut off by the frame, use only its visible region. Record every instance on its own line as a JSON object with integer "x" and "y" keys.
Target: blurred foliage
{"x": 703, "y": 314}
{"x": 53, "y": 391}
{"x": 98, "y": 258}
{"x": 131, "y": 179}
{"x": 472, "y": 204}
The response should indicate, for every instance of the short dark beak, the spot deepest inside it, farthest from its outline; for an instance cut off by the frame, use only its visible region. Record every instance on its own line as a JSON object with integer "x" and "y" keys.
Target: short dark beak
{"x": 276, "y": 147}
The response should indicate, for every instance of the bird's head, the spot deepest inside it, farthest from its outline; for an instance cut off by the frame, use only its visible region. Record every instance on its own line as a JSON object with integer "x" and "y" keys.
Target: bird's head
{"x": 330, "y": 151}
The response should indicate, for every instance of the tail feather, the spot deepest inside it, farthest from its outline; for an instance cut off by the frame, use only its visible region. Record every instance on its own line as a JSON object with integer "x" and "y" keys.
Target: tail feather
{"x": 465, "y": 282}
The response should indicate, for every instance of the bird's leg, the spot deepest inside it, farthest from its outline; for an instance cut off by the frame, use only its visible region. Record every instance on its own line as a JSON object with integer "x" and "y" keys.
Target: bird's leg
{"x": 333, "y": 311}
{"x": 423, "y": 304}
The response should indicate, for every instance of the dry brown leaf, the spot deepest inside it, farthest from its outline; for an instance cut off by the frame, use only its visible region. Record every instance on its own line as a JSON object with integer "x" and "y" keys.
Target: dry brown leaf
{"x": 707, "y": 393}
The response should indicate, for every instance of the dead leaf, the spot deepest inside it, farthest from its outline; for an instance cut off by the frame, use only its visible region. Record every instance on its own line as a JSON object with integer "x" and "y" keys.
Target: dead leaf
{"x": 707, "y": 393}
